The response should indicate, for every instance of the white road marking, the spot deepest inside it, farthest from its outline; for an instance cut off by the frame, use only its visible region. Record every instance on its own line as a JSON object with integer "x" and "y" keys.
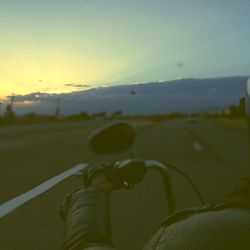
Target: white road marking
{"x": 197, "y": 146}
{"x": 16, "y": 202}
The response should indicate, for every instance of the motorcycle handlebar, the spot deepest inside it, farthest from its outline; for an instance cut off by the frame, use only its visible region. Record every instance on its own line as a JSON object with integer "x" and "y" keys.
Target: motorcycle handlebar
{"x": 137, "y": 165}
{"x": 154, "y": 165}
{"x": 163, "y": 170}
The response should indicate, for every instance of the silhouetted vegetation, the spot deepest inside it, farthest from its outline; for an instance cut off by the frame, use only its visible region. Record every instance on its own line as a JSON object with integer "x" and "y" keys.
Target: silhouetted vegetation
{"x": 238, "y": 110}
{"x": 118, "y": 113}
{"x": 78, "y": 117}
{"x": 9, "y": 113}
{"x": 158, "y": 118}
{"x": 100, "y": 115}
{"x": 233, "y": 111}
{"x": 9, "y": 117}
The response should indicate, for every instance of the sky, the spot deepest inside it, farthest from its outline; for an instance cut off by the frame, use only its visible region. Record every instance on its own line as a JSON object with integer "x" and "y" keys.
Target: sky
{"x": 59, "y": 46}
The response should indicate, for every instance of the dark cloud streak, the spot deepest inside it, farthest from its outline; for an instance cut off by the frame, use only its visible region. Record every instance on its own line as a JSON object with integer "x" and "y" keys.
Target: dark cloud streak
{"x": 76, "y": 85}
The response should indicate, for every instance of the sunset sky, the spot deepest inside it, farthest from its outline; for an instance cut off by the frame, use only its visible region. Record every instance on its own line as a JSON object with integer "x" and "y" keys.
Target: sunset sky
{"x": 60, "y": 46}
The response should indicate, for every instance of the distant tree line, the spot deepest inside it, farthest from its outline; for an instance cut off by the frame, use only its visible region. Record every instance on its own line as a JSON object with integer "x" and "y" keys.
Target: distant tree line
{"x": 238, "y": 110}
{"x": 233, "y": 111}
{"x": 10, "y": 117}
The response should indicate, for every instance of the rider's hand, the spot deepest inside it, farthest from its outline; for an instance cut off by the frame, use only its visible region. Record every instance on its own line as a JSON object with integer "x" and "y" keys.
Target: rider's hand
{"x": 98, "y": 176}
{"x": 100, "y": 181}
{"x": 113, "y": 176}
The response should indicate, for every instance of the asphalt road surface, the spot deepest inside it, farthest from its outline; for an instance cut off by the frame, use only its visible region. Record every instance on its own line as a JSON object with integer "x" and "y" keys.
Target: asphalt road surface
{"x": 213, "y": 154}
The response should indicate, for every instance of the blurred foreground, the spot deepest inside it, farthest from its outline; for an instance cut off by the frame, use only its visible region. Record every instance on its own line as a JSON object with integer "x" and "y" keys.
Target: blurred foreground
{"x": 212, "y": 151}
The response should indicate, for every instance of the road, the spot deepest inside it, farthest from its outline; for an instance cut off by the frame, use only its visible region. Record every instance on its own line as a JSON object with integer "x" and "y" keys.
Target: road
{"x": 214, "y": 155}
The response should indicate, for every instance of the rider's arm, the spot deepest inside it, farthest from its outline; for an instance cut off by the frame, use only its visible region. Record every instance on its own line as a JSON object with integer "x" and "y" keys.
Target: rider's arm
{"x": 87, "y": 218}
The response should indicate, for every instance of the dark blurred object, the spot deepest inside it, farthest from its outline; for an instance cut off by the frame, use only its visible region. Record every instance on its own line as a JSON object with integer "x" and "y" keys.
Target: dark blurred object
{"x": 113, "y": 138}
{"x": 247, "y": 101}
{"x": 132, "y": 92}
{"x": 247, "y": 108}
{"x": 9, "y": 113}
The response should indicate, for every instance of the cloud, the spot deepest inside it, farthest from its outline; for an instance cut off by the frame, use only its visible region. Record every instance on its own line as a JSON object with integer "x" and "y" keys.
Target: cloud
{"x": 184, "y": 95}
{"x": 76, "y": 85}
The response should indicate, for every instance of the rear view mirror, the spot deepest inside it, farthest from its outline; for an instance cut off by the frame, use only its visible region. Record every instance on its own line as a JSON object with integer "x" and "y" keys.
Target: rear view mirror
{"x": 113, "y": 138}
